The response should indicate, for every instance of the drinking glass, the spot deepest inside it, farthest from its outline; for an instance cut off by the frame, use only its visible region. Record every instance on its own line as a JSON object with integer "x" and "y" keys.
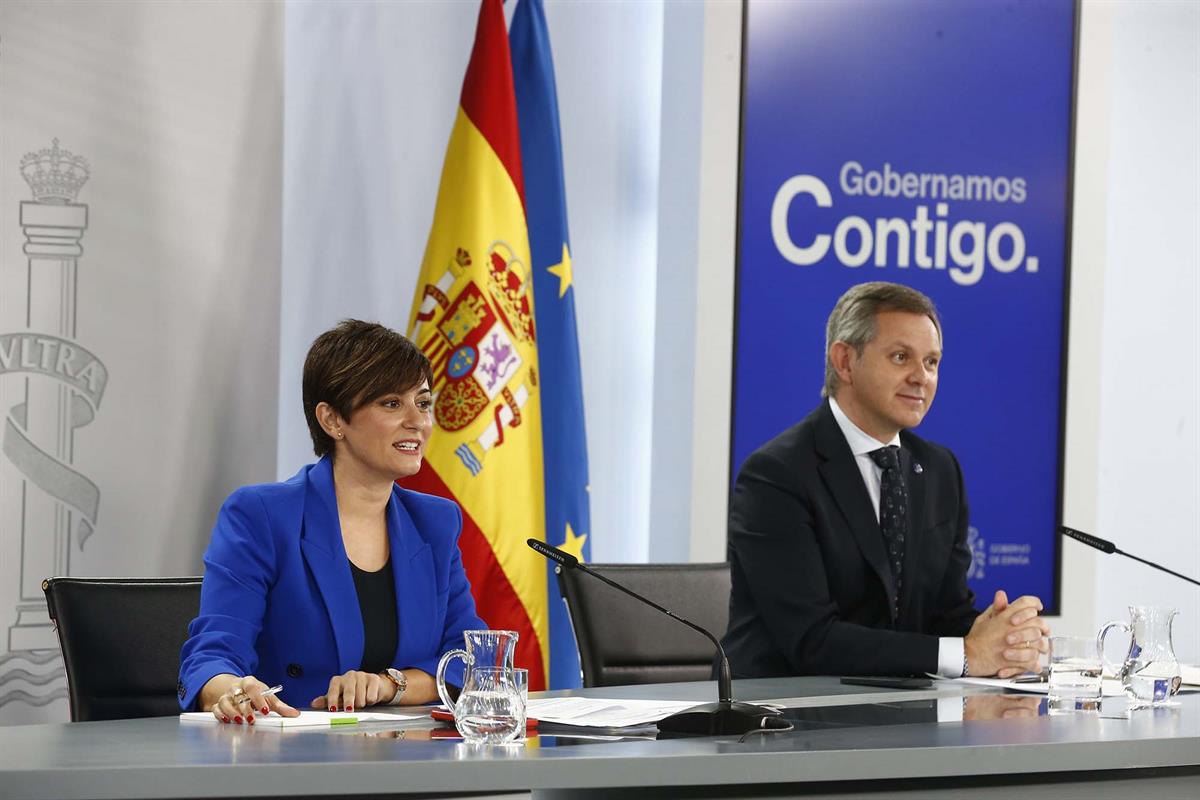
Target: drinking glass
{"x": 520, "y": 679}
{"x": 1075, "y": 674}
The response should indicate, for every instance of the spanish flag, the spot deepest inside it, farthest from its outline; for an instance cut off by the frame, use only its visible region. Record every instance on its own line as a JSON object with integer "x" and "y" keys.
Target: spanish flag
{"x": 473, "y": 317}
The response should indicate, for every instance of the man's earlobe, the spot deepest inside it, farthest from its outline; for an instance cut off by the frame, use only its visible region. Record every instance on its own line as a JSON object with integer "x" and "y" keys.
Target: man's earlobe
{"x": 839, "y": 354}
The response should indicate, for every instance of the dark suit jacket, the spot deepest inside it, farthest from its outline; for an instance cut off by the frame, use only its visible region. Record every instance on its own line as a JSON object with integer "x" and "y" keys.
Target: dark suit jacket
{"x": 278, "y": 599}
{"x": 810, "y": 576}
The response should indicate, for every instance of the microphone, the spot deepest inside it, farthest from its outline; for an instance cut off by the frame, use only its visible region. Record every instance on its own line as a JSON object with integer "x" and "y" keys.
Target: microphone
{"x": 1105, "y": 546}
{"x": 723, "y": 718}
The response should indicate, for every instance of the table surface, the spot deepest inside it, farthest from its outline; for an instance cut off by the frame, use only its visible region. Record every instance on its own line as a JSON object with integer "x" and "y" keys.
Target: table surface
{"x": 163, "y": 757}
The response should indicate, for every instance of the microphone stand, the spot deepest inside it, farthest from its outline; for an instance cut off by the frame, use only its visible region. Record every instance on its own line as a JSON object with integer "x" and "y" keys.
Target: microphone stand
{"x": 1105, "y": 546}
{"x": 722, "y": 718}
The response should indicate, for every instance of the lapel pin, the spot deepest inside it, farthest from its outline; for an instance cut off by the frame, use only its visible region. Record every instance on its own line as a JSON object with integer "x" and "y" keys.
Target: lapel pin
{"x": 917, "y": 468}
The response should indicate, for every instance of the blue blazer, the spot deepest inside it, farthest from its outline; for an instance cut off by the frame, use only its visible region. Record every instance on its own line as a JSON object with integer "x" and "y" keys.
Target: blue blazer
{"x": 278, "y": 599}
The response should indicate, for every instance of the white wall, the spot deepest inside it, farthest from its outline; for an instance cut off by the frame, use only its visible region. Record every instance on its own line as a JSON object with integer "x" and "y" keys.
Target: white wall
{"x": 177, "y": 109}
{"x": 670, "y": 454}
{"x": 1088, "y": 247}
{"x": 1148, "y": 492}
{"x": 1133, "y": 471}
{"x": 713, "y": 352}
{"x": 609, "y": 64}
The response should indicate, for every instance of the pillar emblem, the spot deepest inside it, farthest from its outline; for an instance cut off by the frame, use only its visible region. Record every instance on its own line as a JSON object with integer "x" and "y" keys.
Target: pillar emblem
{"x": 63, "y": 384}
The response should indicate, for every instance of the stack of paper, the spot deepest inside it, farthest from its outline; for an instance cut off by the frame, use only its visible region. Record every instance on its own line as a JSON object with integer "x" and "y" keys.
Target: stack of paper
{"x": 593, "y": 712}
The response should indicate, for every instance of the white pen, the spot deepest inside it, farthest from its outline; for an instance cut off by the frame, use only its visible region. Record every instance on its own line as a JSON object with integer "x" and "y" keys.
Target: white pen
{"x": 276, "y": 689}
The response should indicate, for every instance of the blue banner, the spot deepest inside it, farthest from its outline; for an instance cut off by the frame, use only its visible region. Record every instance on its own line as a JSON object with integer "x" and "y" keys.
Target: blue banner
{"x": 564, "y": 445}
{"x": 925, "y": 142}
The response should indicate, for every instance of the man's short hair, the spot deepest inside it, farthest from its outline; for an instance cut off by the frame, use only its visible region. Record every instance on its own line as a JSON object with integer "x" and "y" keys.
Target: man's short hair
{"x": 853, "y": 319}
{"x": 353, "y": 364}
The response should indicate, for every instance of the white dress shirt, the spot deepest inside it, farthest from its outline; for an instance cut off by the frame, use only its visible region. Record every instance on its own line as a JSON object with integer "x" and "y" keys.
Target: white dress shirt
{"x": 950, "y": 648}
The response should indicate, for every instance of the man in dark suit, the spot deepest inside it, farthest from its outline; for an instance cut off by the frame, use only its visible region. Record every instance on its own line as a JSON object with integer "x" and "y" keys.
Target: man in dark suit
{"x": 848, "y": 534}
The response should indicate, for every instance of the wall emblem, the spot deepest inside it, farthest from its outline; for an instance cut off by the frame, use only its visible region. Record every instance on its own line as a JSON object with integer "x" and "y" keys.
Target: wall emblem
{"x": 978, "y": 547}
{"x": 64, "y": 383}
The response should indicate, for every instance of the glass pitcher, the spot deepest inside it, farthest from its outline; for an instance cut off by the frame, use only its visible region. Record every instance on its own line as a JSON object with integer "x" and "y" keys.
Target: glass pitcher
{"x": 1150, "y": 672}
{"x": 490, "y": 708}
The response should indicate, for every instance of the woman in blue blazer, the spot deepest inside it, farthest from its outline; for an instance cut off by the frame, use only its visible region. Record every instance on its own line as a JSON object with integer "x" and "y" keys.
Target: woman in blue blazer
{"x": 337, "y": 583}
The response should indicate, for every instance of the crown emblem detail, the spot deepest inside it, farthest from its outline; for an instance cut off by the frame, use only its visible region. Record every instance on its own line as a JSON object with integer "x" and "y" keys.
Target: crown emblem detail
{"x": 55, "y": 175}
{"x": 508, "y": 284}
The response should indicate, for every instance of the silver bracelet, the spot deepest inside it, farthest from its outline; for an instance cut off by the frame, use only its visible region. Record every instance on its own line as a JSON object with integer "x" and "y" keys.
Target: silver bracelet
{"x": 401, "y": 682}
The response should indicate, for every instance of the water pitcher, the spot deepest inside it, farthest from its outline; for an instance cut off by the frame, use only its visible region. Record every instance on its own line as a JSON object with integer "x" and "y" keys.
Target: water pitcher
{"x": 490, "y": 708}
{"x": 1150, "y": 672}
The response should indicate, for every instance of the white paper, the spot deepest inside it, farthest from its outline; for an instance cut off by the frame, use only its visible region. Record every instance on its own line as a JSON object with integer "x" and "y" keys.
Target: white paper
{"x": 318, "y": 718}
{"x": 594, "y": 712}
{"x": 1110, "y": 686}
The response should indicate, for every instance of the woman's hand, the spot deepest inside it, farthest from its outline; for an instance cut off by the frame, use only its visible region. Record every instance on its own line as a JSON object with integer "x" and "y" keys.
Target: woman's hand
{"x": 234, "y": 699}
{"x": 356, "y": 689}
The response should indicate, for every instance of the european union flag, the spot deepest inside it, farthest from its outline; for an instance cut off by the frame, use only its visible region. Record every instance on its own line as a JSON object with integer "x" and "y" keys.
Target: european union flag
{"x": 563, "y": 443}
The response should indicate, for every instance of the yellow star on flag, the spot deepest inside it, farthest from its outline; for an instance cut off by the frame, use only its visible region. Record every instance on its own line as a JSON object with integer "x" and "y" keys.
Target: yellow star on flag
{"x": 573, "y": 544}
{"x": 563, "y": 271}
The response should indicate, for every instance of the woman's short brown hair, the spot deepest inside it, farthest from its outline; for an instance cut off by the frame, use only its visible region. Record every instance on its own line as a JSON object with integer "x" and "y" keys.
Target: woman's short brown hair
{"x": 353, "y": 364}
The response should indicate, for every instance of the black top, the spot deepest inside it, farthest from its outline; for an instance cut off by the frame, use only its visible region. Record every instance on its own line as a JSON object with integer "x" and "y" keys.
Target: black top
{"x": 377, "y": 600}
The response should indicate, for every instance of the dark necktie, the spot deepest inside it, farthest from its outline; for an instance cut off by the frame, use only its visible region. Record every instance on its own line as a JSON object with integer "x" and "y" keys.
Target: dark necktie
{"x": 893, "y": 513}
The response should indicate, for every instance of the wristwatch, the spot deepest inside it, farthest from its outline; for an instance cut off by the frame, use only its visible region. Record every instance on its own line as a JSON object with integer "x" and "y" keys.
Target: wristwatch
{"x": 396, "y": 677}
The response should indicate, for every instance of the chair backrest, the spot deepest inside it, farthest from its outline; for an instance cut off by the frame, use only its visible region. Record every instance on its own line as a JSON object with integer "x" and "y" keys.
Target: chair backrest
{"x": 120, "y": 640}
{"x": 622, "y": 641}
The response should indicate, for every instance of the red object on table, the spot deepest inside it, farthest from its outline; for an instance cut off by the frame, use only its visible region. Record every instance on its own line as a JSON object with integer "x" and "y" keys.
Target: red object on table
{"x": 442, "y": 715}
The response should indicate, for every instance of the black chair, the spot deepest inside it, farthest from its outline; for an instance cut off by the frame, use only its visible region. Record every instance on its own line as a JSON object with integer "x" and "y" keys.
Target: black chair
{"x": 120, "y": 640}
{"x": 622, "y": 641}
